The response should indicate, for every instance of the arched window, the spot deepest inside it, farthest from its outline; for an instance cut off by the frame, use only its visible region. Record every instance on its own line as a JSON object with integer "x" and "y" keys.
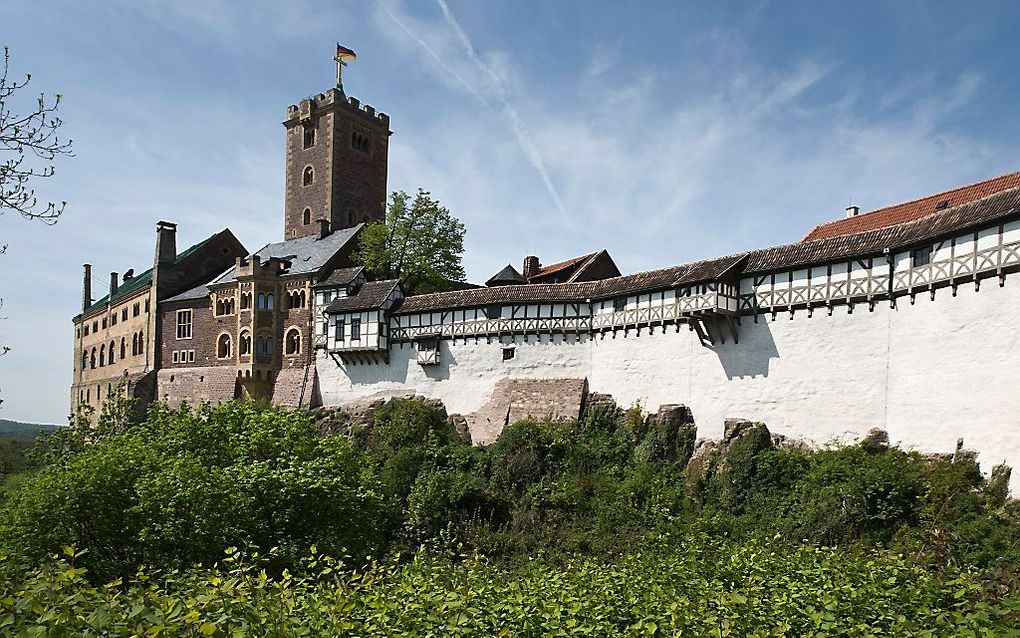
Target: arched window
{"x": 223, "y": 346}
{"x": 113, "y": 347}
{"x": 246, "y": 301}
{"x": 270, "y": 301}
{"x": 123, "y": 347}
{"x": 308, "y": 177}
{"x": 262, "y": 301}
{"x": 102, "y": 356}
{"x": 269, "y": 345}
{"x": 260, "y": 345}
{"x": 244, "y": 343}
{"x": 309, "y": 136}
{"x": 141, "y": 343}
{"x": 292, "y": 343}
{"x": 302, "y": 296}
{"x": 84, "y": 360}
{"x": 306, "y": 217}
{"x": 219, "y": 306}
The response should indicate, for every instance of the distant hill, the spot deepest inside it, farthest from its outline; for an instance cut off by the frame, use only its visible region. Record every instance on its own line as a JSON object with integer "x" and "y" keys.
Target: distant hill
{"x": 24, "y": 431}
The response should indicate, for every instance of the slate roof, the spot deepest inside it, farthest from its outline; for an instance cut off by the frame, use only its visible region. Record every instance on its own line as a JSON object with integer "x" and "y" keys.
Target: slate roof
{"x": 915, "y": 209}
{"x": 340, "y": 277}
{"x": 143, "y": 279}
{"x": 371, "y": 294}
{"x": 200, "y": 291}
{"x": 306, "y": 254}
{"x": 509, "y": 275}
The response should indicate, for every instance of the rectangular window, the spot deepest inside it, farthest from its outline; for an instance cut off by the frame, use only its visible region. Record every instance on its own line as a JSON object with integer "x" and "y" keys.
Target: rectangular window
{"x": 509, "y": 352}
{"x": 135, "y": 309}
{"x": 104, "y": 323}
{"x": 355, "y": 329}
{"x": 338, "y": 330}
{"x": 95, "y": 326}
{"x": 183, "y": 324}
{"x": 921, "y": 256}
{"x": 619, "y": 304}
{"x": 86, "y": 327}
{"x": 113, "y": 319}
{"x": 123, "y": 314}
{"x": 176, "y": 356}
{"x": 492, "y": 312}
{"x": 191, "y": 356}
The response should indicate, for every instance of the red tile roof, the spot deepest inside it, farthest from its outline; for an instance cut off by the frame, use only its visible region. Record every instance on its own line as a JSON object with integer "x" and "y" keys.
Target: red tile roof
{"x": 560, "y": 265}
{"x": 912, "y": 210}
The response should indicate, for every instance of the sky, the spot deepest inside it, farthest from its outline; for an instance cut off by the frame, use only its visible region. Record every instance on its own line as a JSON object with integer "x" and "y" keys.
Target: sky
{"x": 664, "y": 132}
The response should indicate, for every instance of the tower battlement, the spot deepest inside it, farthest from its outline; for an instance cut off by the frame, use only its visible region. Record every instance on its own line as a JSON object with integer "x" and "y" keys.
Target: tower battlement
{"x": 332, "y": 99}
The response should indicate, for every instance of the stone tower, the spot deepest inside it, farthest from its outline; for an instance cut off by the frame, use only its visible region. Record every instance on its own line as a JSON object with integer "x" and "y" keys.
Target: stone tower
{"x": 336, "y": 164}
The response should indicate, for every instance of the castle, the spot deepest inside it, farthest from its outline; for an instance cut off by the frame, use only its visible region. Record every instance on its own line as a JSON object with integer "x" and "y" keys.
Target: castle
{"x": 899, "y": 318}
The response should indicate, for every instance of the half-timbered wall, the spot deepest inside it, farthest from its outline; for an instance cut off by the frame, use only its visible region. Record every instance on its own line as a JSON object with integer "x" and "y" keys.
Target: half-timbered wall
{"x": 824, "y": 352}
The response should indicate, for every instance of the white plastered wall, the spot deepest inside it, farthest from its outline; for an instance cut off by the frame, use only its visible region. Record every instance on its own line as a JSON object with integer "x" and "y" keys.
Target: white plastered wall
{"x": 928, "y": 372}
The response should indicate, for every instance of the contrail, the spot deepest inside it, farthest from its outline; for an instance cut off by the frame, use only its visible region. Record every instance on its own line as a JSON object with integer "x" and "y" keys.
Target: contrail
{"x": 434, "y": 55}
{"x": 520, "y": 129}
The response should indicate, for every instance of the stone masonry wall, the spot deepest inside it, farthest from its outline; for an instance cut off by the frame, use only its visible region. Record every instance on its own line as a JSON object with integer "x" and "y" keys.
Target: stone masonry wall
{"x": 515, "y": 399}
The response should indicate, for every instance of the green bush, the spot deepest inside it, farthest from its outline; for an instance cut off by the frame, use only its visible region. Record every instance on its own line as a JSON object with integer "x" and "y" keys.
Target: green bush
{"x": 690, "y": 586}
{"x": 182, "y": 485}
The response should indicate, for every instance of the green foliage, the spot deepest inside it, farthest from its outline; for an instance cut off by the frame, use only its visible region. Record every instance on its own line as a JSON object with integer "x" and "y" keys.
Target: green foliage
{"x": 421, "y": 242}
{"x": 182, "y": 485}
{"x": 688, "y": 586}
{"x": 12, "y": 457}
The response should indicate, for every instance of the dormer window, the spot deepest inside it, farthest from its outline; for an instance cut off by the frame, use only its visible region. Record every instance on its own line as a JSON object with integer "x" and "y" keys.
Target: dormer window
{"x": 308, "y": 176}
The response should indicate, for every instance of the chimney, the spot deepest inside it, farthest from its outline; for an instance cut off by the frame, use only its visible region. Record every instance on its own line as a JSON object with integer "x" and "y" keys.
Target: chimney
{"x": 323, "y": 228}
{"x": 531, "y": 266}
{"x": 166, "y": 242}
{"x": 113, "y": 284}
{"x": 86, "y": 288}
{"x": 851, "y": 211}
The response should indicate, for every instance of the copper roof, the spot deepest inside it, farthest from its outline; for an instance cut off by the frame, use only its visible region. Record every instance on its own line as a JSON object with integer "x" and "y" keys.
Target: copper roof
{"x": 909, "y": 211}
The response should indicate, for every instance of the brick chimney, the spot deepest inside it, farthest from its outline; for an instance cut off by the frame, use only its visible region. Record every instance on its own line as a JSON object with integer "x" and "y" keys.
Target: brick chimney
{"x": 531, "y": 266}
{"x": 86, "y": 288}
{"x": 166, "y": 242}
{"x": 113, "y": 284}
{"x": 852, "y": 211}
{"x": 323, "y": 228}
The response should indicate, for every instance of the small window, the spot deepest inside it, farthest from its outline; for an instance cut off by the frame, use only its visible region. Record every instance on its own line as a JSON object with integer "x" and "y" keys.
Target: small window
{"x": 86, "y": 329}
{"x": 191, "y": 356}
{"x": 84, "y": 360}
{"x": 270, "y": 301}
{"x": 260, "y": 345}
{"x": 123, "y": 314}
{"x": 102, "y": 356}
{"x": 113, "y": 319}
{"x": 306, "y": 217}
{"x": 619, "y": 304}
{"x": 359, "y": 141}
{"x": 309, "y": 136}
{"x": 509, "y": 352}
{"x": 113, "y": 355}
{"x": 338, "y": 330}
{"x": 292, "y": 343}
{"x": 244, "y": 343}
{"x": 176, "y": 356}
{"x": 262, "y": 301}
{"x": 146, "y": 306}
{"x": 269, "y": 345}
{"x": 123, "y": 347}
{"x": 308, "y": 176}
{"x": 104, "y": 323}
{"x": 95, "y": 326}
{"x": 356, "y": 329}
{"x": 492, "y": 312}
{"x": 136, "y": 309}
{"x": 183, "y": 324}
{"x": 246, "y": 301}
{"x": 921, "y": 256}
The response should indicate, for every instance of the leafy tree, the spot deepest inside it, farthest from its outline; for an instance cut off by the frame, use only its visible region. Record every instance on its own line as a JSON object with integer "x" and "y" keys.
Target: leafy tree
{"x": 421, "y": 243}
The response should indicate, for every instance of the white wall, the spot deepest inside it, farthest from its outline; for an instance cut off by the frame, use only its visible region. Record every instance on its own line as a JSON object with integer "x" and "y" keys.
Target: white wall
{"x": 928, "y": 372}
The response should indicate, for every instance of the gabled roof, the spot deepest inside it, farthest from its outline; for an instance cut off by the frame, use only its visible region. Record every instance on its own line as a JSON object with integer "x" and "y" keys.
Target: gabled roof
{"x": 340, "y": 277}
{"x": 915, "y": 209}
{"x": 507, "y": 276}
{"x": 306, "y": 254}
{"x": 371, "y": 294}
{"x": 552, "y": 269}
{"x": 976, "y": 213}
{"x": 143, "y": 279}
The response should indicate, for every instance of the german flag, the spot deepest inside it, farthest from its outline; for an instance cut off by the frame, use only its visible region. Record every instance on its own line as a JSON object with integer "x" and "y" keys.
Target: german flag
{"x": 343, "y": 53}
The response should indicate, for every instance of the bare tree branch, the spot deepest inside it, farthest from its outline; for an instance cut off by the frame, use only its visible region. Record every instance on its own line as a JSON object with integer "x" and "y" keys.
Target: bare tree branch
{"x": 29, "y": 144}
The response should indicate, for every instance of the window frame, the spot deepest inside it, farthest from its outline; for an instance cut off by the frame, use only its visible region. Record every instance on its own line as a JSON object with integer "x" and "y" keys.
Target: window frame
{"x": 355, "y": 328}
{"x": 189, "y": 325}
